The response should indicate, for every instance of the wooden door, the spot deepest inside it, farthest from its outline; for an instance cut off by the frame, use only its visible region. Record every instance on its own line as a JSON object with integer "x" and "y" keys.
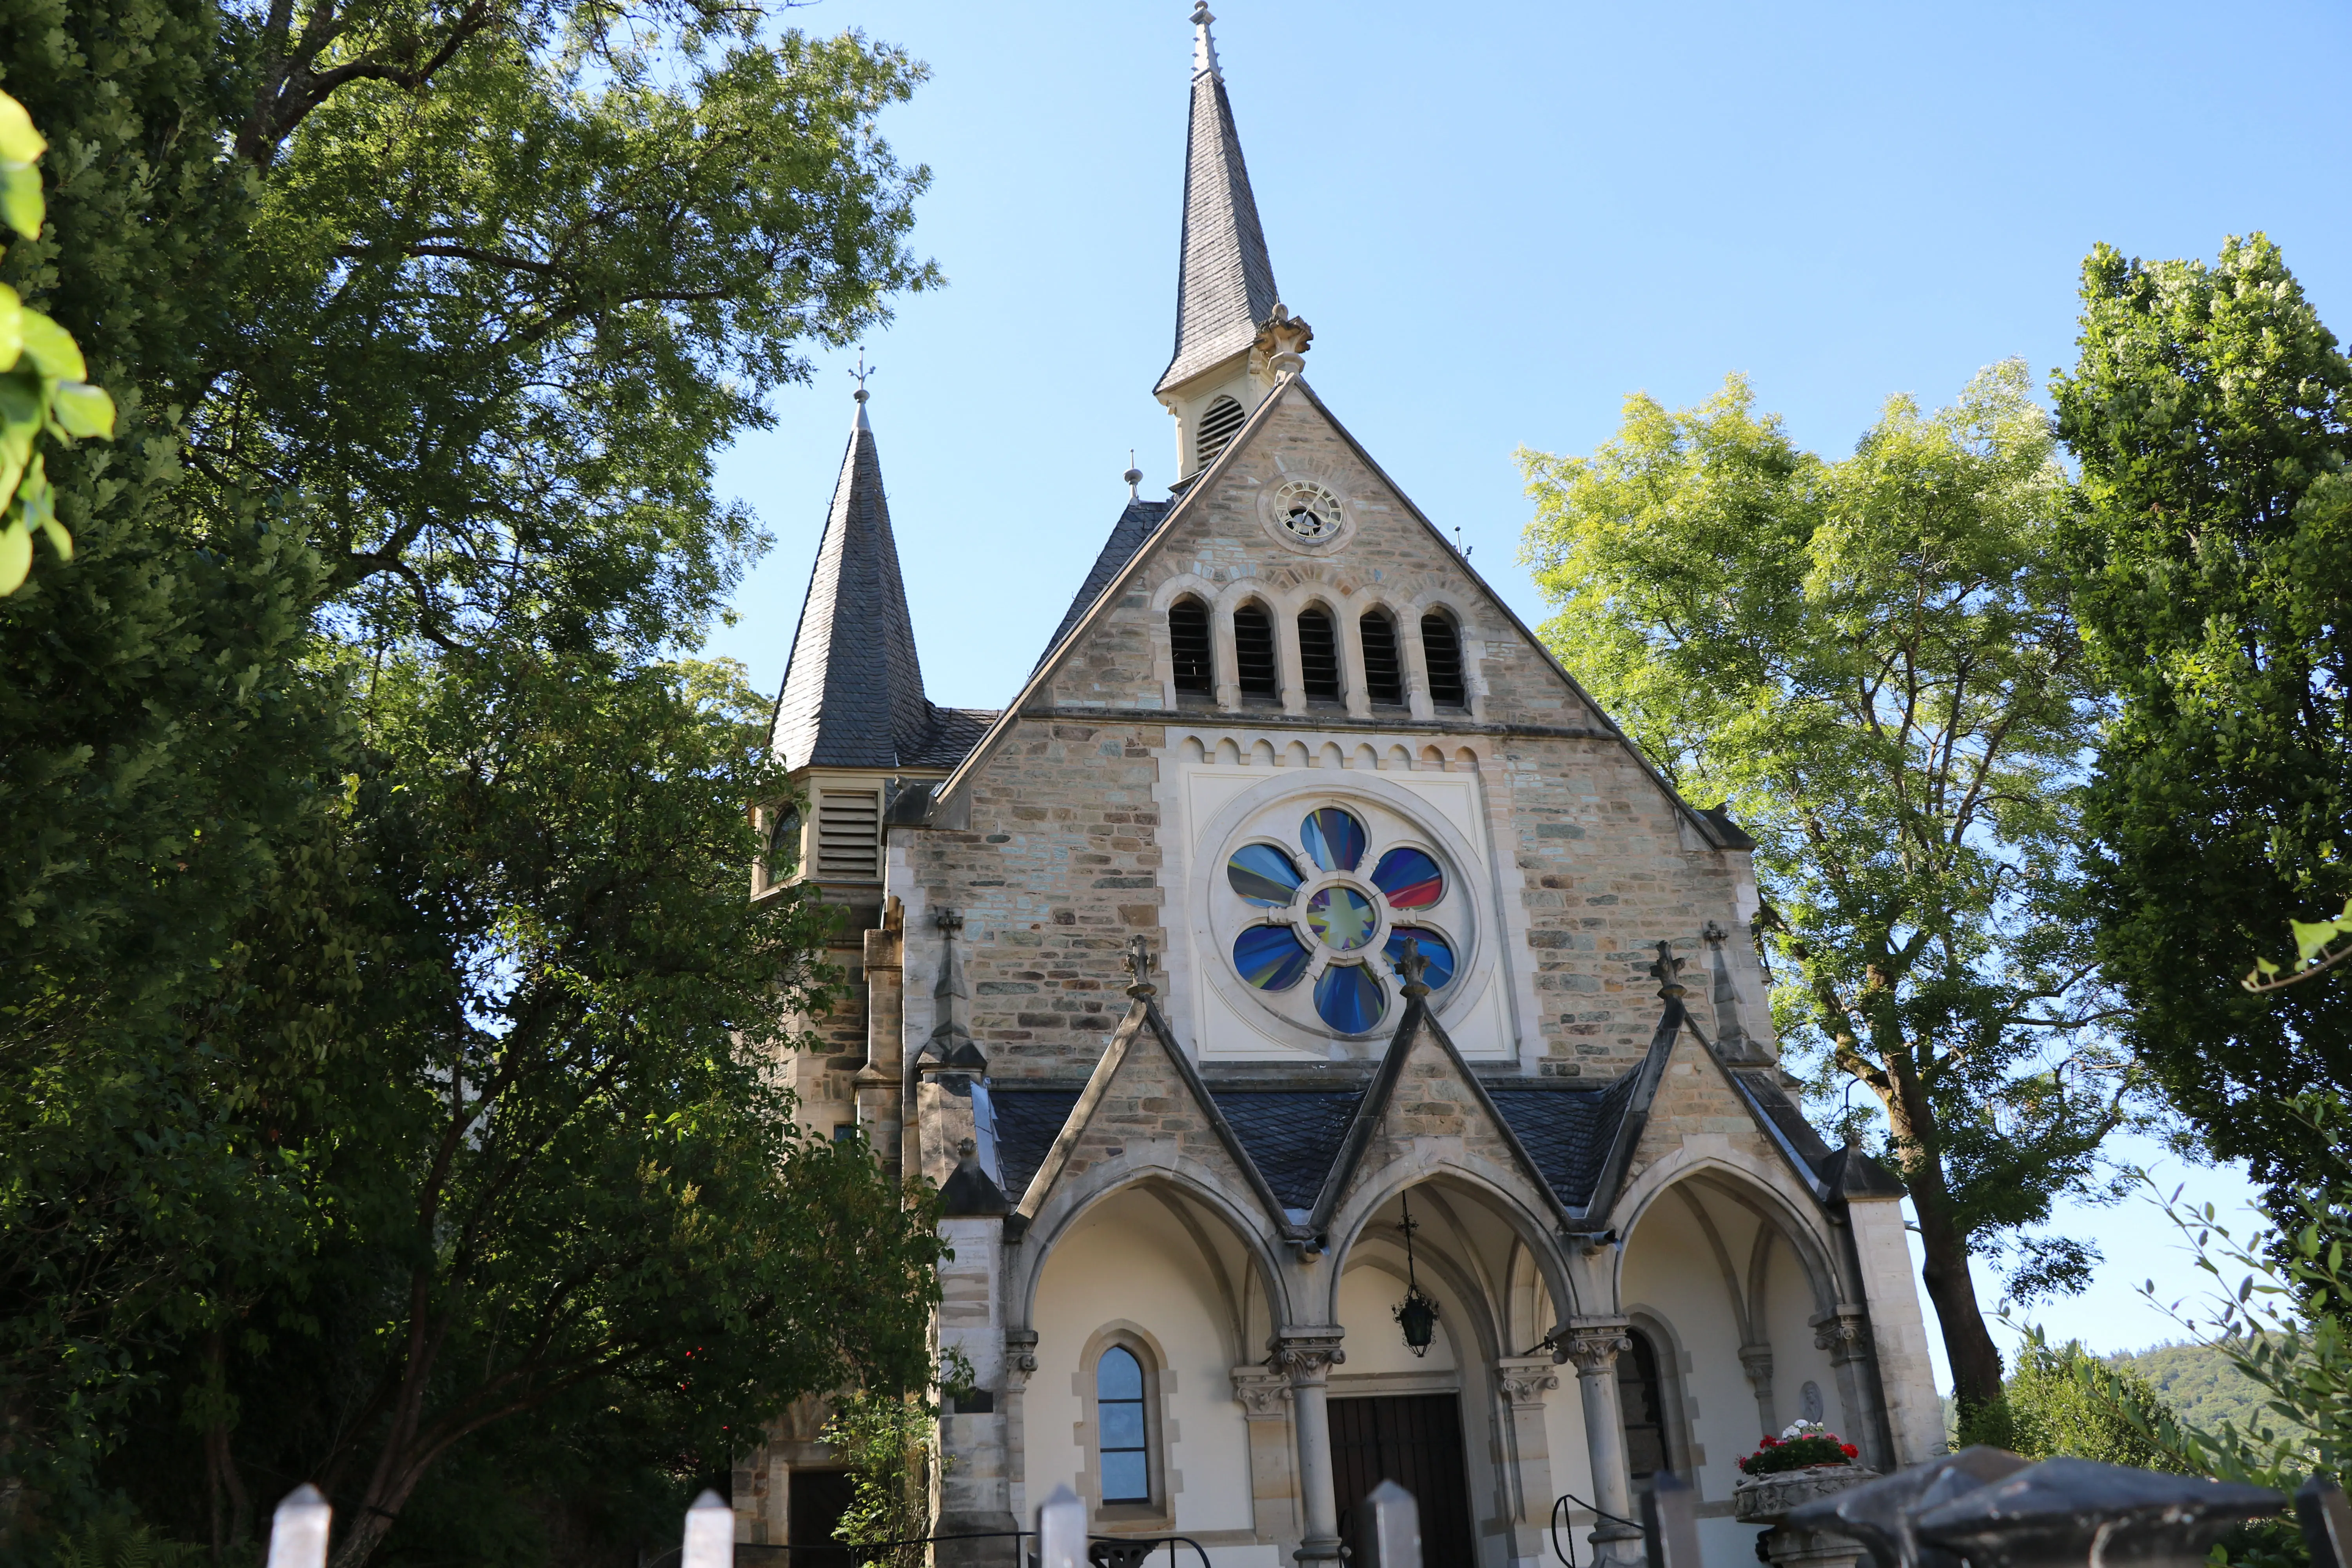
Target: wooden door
{"x": 1415, "y": 1440}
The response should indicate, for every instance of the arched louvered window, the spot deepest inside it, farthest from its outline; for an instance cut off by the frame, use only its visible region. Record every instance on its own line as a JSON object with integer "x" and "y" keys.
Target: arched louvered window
{"x": 1441, "y": 652}
{"x": 1384, "y": 671}
{"x": 1188, "y": 646}
{"x": 1318, "y": 655}
{"x": 1219, "y": 421}
{"x": 1253, "y": 669}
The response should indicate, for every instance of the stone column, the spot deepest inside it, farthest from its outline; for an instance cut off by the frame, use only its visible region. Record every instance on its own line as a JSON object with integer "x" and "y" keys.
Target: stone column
{"x": 1524, "y": 1380}
{"x": 879, "y": 1108}
{"x": 1594, "y": 1348}
{"x": 1307, "y": 1356}
{"x": 1264, "y": 1396}
{"x": 1756, "y": 1362}
{"x": 1222, "y": 657}
{"x": 1846, "y": 1336}
{"x": 971, "y": 1485}
{"x": 1020, "y": 1361}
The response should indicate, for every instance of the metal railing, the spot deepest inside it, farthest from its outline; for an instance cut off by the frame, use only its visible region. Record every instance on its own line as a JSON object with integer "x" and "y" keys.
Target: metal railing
{"x": 1986, "y": 1506}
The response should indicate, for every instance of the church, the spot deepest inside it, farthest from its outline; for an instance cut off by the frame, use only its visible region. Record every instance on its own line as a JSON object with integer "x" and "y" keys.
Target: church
{"x": 1340, "y": 1054}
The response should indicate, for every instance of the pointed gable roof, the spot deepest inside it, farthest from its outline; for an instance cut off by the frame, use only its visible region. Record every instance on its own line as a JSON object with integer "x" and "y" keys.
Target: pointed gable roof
{"x": 1224, "y": 282}
{"x": 853, "y": 694}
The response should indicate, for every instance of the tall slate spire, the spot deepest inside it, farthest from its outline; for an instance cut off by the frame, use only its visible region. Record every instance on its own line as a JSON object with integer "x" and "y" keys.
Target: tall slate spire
{"x": 1225, "y": 286}
{"x": 853, "y": 694}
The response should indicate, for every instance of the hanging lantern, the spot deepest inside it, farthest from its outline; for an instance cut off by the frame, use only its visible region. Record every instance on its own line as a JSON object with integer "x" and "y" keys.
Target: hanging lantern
{"x": 1418, "y": 1314}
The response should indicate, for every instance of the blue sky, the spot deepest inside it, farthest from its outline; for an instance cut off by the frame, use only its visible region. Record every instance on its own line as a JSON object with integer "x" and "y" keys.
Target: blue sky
{"x": 1502, "y": 218}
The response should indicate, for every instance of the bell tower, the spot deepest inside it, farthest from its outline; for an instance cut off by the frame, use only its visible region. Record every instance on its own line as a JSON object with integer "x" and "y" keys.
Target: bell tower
{"x": 1234, "y": 340}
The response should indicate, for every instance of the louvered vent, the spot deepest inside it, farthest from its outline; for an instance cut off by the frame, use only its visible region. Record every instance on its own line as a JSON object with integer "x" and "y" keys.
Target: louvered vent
{"x": 849, "y": 836}
{"x": 1188, "y": 646}
{"x": 1253, "y": 652}
{"x": 1318, "y": 655}
{"x": 1383, "y": 673}
{"x": 1218, "y": 423}
{"x": 1441, "y": 652}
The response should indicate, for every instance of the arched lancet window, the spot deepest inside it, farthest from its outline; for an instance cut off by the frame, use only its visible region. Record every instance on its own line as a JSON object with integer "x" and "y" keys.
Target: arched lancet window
{"x": 1641, "y": 1404}
{"x": 1384, "y": 671}
{"x": 1120, "y": 1429}
{"x": 1318, "y": 655}
{"x": 1253, "y": 652}
{"x": 1440, "y": 651}
{"x": 1188, "y": 646}
{"x": 1219, "y": 422}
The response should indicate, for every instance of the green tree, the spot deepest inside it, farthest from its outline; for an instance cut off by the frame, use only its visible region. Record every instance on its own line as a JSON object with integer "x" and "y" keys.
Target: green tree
{"x": 419, "y": 389}
{"x": 2214, "y": 564}
{"x": 2053, "y": 1404}
{"x": 1872, "y": 660}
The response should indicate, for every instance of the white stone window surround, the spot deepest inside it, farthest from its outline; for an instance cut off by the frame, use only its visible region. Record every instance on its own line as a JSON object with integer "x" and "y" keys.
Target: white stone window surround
{"x": 1489, "y": 1010}
{"x": 1159, "y": 1513}
{"x": 1346, "y": 606}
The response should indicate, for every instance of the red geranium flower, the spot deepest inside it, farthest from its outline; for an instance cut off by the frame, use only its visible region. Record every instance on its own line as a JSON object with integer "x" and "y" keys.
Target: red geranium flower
{"x": 1849, "y": 1450}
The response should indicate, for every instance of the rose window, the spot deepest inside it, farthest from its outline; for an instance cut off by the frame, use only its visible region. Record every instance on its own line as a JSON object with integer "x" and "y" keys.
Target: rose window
{"x": 1334, "y": 915}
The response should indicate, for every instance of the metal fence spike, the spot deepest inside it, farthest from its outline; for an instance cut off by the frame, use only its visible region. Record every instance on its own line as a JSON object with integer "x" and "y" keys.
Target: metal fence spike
{"x": 1392, "y": 1528}
{"x": 709, "y": 1534}
{"x": 1669, "y": 1521}
{"x": 297, "y": 1531}
{"x": 1062, "y": 1530}
{"x": 2327, "y": 1519}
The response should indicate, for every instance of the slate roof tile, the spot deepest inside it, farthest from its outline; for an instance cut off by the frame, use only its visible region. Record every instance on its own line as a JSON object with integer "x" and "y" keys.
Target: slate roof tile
{"x": 1225, "y": 285}
{"x": 1292, "y": 1135}
{"x": 853, "y": 694}
{"x": 1127, "y": 536}
{"x": 1027, "y": 1121}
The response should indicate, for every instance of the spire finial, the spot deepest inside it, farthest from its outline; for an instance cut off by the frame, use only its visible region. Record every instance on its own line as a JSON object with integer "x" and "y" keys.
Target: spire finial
{"x": 861, "y": 372}
{"x": 1137, "y": 960}
{"x": 1204, "y": 47}
{"x": 1668, "y": 973}
{"x": 1134, "y": 476}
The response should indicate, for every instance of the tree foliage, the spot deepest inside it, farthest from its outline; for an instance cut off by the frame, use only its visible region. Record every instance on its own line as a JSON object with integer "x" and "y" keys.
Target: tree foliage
{"x": 385, "y": 1037}
{"x": 2214, "y": 564}
{"x": 1873, "y": 661}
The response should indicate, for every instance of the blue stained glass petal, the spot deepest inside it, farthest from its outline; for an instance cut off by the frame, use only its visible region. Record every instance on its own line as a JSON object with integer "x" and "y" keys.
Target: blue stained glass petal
{"x": 1349, "y": 999}
{"x": 1271, "y": 958}
{"x": 1263, "y": 875}
{"x": 1409, "y": 878}
{"x": 1433, "y": 947}
{"x": 1334, "y": 838}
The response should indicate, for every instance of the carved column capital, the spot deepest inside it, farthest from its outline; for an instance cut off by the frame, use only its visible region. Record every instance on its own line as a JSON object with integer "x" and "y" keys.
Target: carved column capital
{"x": 1263, "y": 1392}
{"x": 1524, "y": 1379}
{"x": 1758, "y": 1361}
{"x": 1020, "y": 1355}
{"x": 1593, "y": 1347}
{"x": 1844, "y": 1334}
{"x": 1305, "y": 1355}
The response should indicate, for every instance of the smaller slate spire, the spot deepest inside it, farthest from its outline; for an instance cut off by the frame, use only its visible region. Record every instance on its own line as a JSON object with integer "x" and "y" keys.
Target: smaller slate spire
{"x": 853, "y": 694}
{"x": 1225, "y": 286}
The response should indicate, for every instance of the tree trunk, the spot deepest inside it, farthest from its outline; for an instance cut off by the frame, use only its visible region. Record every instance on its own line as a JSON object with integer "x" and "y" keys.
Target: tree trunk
{"x": 1968, "y": 1344}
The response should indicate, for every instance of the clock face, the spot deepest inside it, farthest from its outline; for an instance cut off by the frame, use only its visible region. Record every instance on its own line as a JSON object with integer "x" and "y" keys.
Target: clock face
{"x": 1307, "y": 523}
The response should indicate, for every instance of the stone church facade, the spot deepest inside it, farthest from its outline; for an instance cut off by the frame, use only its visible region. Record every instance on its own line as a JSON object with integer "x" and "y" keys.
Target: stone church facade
{"x": 1300, "y": 954}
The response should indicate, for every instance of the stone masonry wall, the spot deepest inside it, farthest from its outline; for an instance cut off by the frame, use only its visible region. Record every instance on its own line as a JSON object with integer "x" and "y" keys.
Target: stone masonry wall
{"x": 1062, "y": 861}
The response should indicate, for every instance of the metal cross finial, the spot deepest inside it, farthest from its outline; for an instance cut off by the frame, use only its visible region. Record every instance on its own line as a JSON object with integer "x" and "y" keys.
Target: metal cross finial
{"x": 1412, "y": 963}
{"x": 1137, "y": 960}
{"x": 861, "y": 372}
{"x": 1667, "y": 971}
